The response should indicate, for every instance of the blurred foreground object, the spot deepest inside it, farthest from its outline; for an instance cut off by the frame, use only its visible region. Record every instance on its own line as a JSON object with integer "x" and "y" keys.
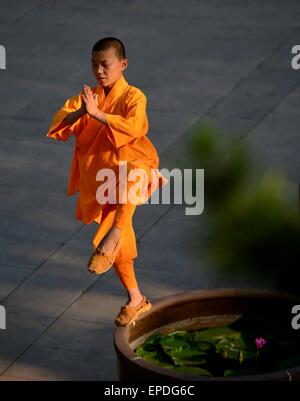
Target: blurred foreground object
{"x": 252, "y": 224}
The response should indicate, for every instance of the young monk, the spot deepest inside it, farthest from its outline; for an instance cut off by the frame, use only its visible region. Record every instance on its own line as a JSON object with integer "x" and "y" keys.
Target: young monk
{"x": 109, "y": 123}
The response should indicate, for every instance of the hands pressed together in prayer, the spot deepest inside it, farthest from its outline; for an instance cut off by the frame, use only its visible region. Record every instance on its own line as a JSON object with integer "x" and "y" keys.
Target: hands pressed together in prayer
{"x": 90, "y": 101}
{"x": 90, "y": 105}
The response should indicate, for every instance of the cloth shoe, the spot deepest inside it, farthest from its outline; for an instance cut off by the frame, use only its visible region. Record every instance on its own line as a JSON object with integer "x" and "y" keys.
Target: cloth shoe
{"x": 129, "y": 313}
{"x": 100, "y": 262}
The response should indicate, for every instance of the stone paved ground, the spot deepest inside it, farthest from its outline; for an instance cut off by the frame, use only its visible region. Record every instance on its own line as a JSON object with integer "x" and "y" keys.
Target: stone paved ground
{"x": 224, "y": 60}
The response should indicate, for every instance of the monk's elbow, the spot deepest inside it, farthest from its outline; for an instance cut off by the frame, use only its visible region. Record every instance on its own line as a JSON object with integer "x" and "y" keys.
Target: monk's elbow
{"x": 58, "y": 136}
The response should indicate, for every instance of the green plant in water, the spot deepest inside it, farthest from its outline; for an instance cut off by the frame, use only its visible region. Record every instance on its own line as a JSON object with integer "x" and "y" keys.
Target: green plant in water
{"x": 222, "y": 351}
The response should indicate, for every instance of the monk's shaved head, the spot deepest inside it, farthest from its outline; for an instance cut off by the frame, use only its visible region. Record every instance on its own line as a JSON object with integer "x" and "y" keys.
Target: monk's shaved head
{"x": 108, "y": 43}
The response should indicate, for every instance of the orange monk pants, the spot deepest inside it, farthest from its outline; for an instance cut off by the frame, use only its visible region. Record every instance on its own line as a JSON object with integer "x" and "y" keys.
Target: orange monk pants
{"x": 120, "y": 215}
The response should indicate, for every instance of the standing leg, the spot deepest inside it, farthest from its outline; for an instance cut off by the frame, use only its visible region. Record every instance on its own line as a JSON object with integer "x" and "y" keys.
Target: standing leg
{"x": 124, "y": 265}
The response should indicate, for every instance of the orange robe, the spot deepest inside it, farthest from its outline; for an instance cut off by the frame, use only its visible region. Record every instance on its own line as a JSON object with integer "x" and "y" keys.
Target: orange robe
{"x": 99, "y": 146}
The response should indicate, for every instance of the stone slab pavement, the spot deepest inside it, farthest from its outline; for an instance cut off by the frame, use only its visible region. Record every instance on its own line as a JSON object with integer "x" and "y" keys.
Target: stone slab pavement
{"x": 223, "y": 60}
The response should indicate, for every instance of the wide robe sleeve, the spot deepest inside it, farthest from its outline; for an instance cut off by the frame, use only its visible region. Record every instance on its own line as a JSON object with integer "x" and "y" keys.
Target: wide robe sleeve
{"x": 63, "y": 134}
{"x": 124, "y": 129}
